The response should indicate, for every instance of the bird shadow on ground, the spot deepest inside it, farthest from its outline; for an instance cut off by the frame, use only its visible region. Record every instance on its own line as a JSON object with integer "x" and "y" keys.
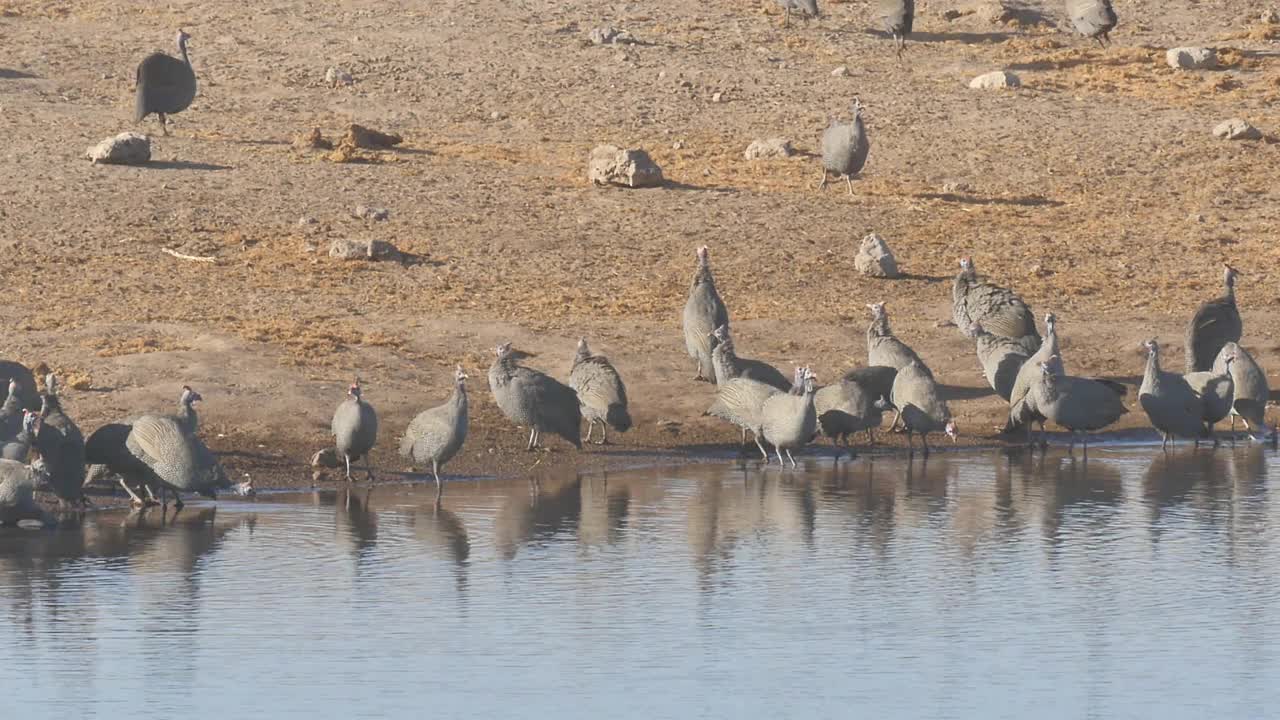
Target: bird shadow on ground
{"x": 925, "y": 278}
{"x": 409, "y": 259}
{"x": 959, "y": 392}
{"x": 1092, "y": 59}
{"x": 251, "y": 141}
{"x": 1024, "y": 201}
{"x": 185, "y": 165}
{"x": 967, "y": 38}
{"x": 11, "y": 74}
{"x": 673, "y": 185}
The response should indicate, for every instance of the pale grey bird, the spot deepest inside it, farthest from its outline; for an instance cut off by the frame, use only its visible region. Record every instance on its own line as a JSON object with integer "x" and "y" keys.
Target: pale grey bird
{"x": 601, "y": 393}
{"x": 741, "y": 402}
{"x": 727, "y": 364}
{"x": 355, "y": 431}
{"x": 787, "y": 420}
{"x": 165, "y": 455}
{"x": 534, "y": 399}
{"x": 850, "y": 406}
{"x": 923, "y": 410}
{"x": 1216, "y": 323}
{"x": 883, "y": 347}
{"x": 1001, "y": 359}
{"x": 165, "y": 85}
{"x": 11, "y": 412}
{"x": 27, "y": 395}
{"x": 1251, "y": 390}
{"x": 18, "y": 447}
{"x": 896, "y": 16}
{"x": 61, "y": 445}
{"x": 18, "y": 482}
{"x": 1217, "y": 393}
{"x": 704, "y": 311}
{"x": 1171, "y": 404}
{"x": 997, "y": 309}
{"x": 1093, "y": 19}
{"x": 807, "y": 9}
{"x": 107, "y": 448}
{"x": 1022, "y": 406}
{"x": 436, "y": 435}
{"x": 1079, "y": 404}
{"x": 844, "y": 148}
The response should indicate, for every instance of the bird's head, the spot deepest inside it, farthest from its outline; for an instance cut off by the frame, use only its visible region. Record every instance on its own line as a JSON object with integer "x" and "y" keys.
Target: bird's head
{"x": 877, "y": 309}
{"x": 459, "y": 375}
{"x": 721, "y": 333}
{"x": 858, "y": 107}
{"x": 1151, "y": 346}
{"x": 183, "y": 37}
{"x": 354, "y": 389}
{"x": 1230, "y": 274}
{"x": 29, "y": 421}
{"x": 703, "y": 258}
{"x": 951, "y": 430}
{"x": 966, "y": 264}
{"x": 190, "y": 396}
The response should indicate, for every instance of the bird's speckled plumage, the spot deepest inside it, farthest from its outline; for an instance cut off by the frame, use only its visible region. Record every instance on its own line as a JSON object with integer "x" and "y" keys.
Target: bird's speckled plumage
{"x": 1001, "y": 357}
{"x": 1022, "y": 406}
{"x": 1078, "y": 404}
{"x": 727, "y": 364}
{"x": 61, "y": 445}
{"x": 845, "y": 147}
{"x": 1216, "y": 323}
{"x": 1251, "y": 391}
{"x": 534, "y": 399}
{"x": 923, "y": 410}
{"x": 602, "y": 395}
{"x": 437, "y": 434}
{"x": 1171, "y": 404}
{"x": 997, "y": 309}
{"x": 704, "y": 311}
{"x": 789, "y": 420}
{"x": 354, "y": 428}
{"x": 1093, "y": 18}
{"x": 165, "y": 85}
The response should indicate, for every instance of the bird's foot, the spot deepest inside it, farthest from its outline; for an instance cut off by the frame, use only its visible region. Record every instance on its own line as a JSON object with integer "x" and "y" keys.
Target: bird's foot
{"x": 601, "y": 442}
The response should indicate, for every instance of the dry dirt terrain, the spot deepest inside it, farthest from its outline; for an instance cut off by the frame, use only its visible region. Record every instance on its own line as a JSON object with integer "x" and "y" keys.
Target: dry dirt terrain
{"x": 1096, "y": 190}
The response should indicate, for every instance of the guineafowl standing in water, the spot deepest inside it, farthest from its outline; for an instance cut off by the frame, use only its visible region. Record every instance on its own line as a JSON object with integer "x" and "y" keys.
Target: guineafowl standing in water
{"x": 807, "y": 9}
{"x": 1217, "y": 392}
{"x": 61, "y": 444}
{"x": 1093, "y": 19}
{"x": 789, "y": 420}
{"x": 18, "y": 482}
{"x": 1251, "y": 390}
{"x": 704, "y": 311}
{"x": 1216, "y": 323}
{"x": 1078, "y": 404}
{"x": 923, "y": 410}
{"x": 436, "y": 435}
{"x": 896, "y": 16}
{"x": 166, "y": 85}
{"x": 844, "y": 148}
{"x": 165, "y": 455}
{"x": 355, "y": 430}
{"x": 601, "y": 392}
{"x": 1001, "y": 359}
{"x": 1022, "y": 404}
{"x": 534, "y": 399}
{"x": 1171, "y": 404}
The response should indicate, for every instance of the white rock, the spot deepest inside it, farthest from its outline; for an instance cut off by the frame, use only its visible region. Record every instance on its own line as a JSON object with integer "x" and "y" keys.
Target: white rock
{"x": 768, "y": 149}
{"x": 1236, "y": 129}
{"x": 1191, "y": 58}
{"x": 611, "y": 36}
{"x": 127, "y": 148}
{"x": 377, "y": 214}
{"x": 336, "y": 76}
{"x": 345, "y": 249}
{"x": 631, "y": 167}
{"x": 841, "y": 71}
{"x": 995, "y": 80}
{"x": 875, "y": 259}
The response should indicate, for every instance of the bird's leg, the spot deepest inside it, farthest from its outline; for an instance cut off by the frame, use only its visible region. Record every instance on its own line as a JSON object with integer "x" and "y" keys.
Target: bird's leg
{"x": 793, "y": 460}
{"x": 1164, "y": 441}
{"x": 1071, "y": 445}
{"x": 897, "y": 416}
{"x": 164, "y": 497}
{"x": 902, "y": 45}
{"x": 435, "y": 470}
{"x": 778, "y": 450}
{"x": 164, "y": 124}
{"x": 822, "y": 182}
{"x": 151, "y": 495}
{"x": 591, "y": 426}
{"x": 871, "y": 437}
{"x": 924, "y": 440}
{"x": 1101, "y": 45}
{"x": 911, "y": 448}
{"x": 137, "y": 501}
{"x": 1044, "y": 436}
{"x": 604, "y": 433}
{"x": 744, "y": 436}
{"x": 368, "y": 468}
{"x": 786, "y": 17}
{"x": 848, "y": 181}
{"x": 177, "y": 502}
{"x": 760, "y": 445}
{"x": 532, "y": 434}
{"x": 347, "y": 459}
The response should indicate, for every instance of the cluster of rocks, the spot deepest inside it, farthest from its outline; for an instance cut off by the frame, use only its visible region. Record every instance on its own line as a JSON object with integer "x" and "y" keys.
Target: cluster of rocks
{"x": 127, "y": 148}
{"x": 623, "y": 167}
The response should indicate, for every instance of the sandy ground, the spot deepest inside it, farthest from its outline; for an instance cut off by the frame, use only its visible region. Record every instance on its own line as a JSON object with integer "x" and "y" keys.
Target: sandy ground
{"x": 1096, "y": 190}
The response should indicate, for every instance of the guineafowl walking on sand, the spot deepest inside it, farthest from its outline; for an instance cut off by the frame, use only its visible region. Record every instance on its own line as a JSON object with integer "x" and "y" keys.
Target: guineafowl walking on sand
{"x": 1217, "y": 392}
{"x": 844, "y": 148}
{"x": 436, "y": 435}
{"x": 807, "y": 9}
{"x": 1172, "y": 405}
{"x": 166, "y": 85}
{"x": 1001, "y": 359}
{"x": 896, "y": 17}
{"x": 1093, "y": 19}
{"x": 1076, "y": 403}
{"x": 703, "y": 313}
{"x": 601, "y": 392}
{"x": 923, "y": 410}
{"x": 1250, "y": 385}
{"x": 997, "y": 309}
{"x": 727, "y": 364}
{"x": 534, "y": 399}
{"x": 789, "y": 420}
{"x": 1216, "y": 323}
{"x": 61, "y": 444}
{"x": 355, "y": 431}
{"x": 1022, "y": 404}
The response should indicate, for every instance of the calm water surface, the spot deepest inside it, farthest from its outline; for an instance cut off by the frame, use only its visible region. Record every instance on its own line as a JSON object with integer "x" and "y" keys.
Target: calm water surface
{"x": 977, "y": 585}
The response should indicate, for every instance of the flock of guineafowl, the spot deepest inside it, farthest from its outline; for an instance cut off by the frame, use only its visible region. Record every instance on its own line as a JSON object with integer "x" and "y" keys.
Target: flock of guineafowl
{"x": 160, "y": 454}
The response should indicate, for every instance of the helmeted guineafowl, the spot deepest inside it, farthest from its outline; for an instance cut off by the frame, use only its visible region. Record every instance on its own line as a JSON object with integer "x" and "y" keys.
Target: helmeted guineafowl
{"x": 896, "y": 17}
{"x": 923, "y": 410}
{"x": 1216, "y": 323}
{"x": 1093, "y": 19}
{"x": 1001, "y": 359}
{"x": 844, "y": 148}
{"x": 165, "y": 85}
{"x": 850, "y": 406}
{"x": 788, "y": 420}
{"x": 727, "y": 364}
{"x": 1170, "y": 403}
{"x": 1078, "y": 404}
{"x": 704, "y": 311}
{"x": 437, "y": 434}
{"x": 355, "y": 431}
{"x": 18, "y": 482}
{"x": 18, "y": 447}
{"x": 1217, "y": 392}
{"x": 168, "y": 456}
{"x": 807, "y": 9}
{"x": 11, "y": 412}
{"x": 61, "y": 444}
{"x": 602, "y": 395}
{"x": 28, "y": 398}
{"x": 1022, "y": 405}
{"x": 740, "y": 401}
{"x": 997, "y": 309}
{"x": 1251, "y": 389}
{"x": 534, "y": 399}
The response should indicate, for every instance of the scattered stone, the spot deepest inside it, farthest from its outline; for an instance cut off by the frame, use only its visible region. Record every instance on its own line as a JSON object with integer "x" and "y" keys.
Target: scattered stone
{"x": 363, "y": 137}
{"x": 995, "y": 80}
{"x": 841, "y": 71}
{"x": 372, "y": 213}
{"x": 497, "y": 115}
{"x": 311, "y": 140}
{"x": 717, "y": 97}
{"x": 954, "y": 14}
{"x": 954, "y": 187}
{"x": 345, "y": 249}
{"x": 611, "y": 36}
{"x": 127, "y": 148}
{"x": 998, "y": 13}
{"x": 1237, "y": 129}
{"x": 346, "y": 152}
{"x": 305, "y": 221}
{"x": 769, "y": 149}
{"x": 677, "y": 145}
{"x": 875, "y": 259}
{"x": 631, "y": 167}
{"x": 337, "y": 77}
{"x": 1191, "y": 58}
